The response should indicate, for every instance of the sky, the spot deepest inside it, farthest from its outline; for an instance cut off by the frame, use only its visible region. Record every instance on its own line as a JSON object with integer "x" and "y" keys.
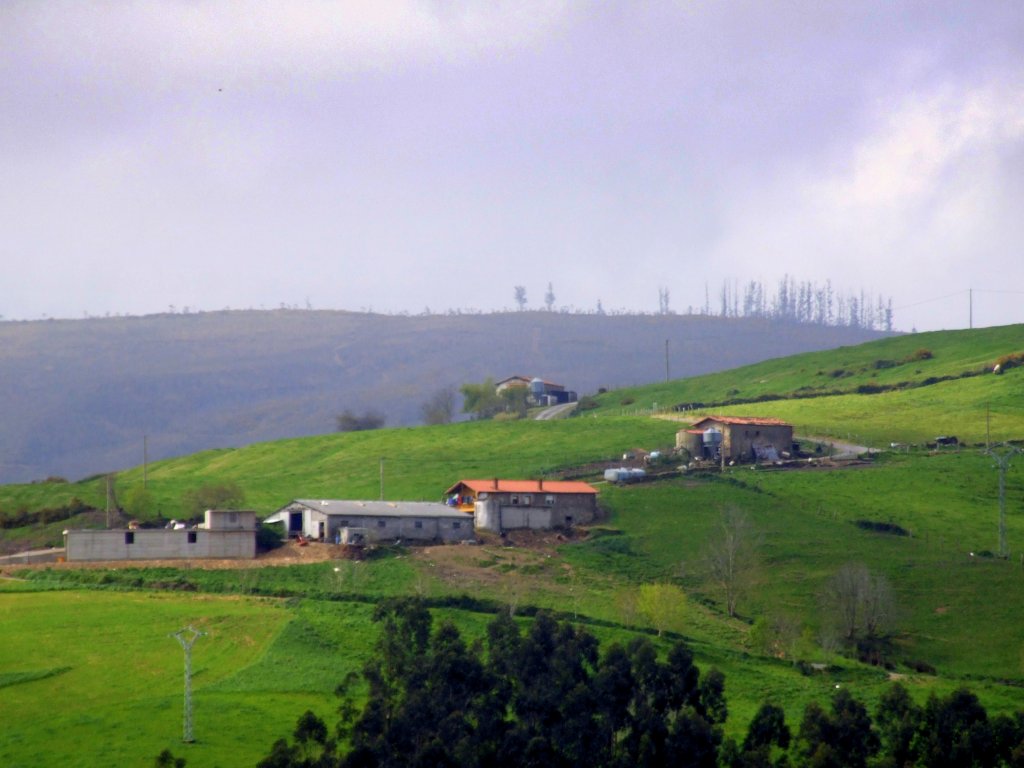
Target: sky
{"x": 413, "y": 155}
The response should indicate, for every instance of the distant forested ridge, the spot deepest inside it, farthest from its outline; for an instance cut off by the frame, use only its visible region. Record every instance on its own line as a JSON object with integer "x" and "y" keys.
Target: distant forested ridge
{"x": 79, "y": 397}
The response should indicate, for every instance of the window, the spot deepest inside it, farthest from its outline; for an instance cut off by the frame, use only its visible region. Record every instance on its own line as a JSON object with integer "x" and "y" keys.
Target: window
{"x": 381, "y": 523}
{"x": 344, "y": 523}
{"x": 456, "y": 525}
{"x": 549, "y": 500}
{"x": 232, "y": 517}
{"x": 191, "y": 537}
{"x": 129, "y": 537}
{"x": 418, "y": 524}
{"x": 515, "y": 499}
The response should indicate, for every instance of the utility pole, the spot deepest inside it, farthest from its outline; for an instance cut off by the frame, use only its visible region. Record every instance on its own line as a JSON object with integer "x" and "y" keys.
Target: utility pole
{"x": 186, "y": 645}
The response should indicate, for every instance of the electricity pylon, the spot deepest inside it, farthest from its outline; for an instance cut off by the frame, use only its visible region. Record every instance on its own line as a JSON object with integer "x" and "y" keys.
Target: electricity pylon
{"x": 186, "y": 645}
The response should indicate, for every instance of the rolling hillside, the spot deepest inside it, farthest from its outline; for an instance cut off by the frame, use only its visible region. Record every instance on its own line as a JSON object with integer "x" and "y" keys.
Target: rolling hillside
{"x": 924, "y": 520}
{"x": 77, "y": 397}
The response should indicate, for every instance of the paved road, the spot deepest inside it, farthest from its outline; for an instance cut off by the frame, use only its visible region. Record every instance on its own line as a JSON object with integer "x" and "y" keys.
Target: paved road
{"x": 555, "y": 412}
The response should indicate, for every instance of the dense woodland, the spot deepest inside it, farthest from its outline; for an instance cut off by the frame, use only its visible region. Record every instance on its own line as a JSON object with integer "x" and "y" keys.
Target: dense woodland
{"x": 549, "y": 696}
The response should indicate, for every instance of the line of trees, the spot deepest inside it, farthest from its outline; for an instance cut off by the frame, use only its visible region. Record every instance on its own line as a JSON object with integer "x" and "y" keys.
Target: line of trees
{"x": 549, "y": 696}
{"x": 800, "y": 302}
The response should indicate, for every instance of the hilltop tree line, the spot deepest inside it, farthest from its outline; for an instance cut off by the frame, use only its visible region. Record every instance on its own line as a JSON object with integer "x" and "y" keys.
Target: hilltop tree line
{"x": 790, "y": 300}
{"x": 550, "y": 696}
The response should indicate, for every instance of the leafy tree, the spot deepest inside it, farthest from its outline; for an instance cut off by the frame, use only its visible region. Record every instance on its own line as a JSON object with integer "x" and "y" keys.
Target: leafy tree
{"x": 347, "y": 421}
{"x": 223, "y": 495}
{"x": 954, "y": 732}
{"x": 663, "y": 605}
{"x": 546, "y": 697}
{"x": 842, "y": 738}
{"x": 139, "y": 501}
{"x": 898, "y": 719}
{"x": 520, "y": 293}
{"x": 481, "y": 400}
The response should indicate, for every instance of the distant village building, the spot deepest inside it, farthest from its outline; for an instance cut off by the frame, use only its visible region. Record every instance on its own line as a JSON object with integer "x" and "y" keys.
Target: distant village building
{"x": 540, "y": 392}
{"x": 224, "y": 534}
{"x": 503, "y": 505}
{"x": 737, "y": 438}
{"x": 365, "y": 522}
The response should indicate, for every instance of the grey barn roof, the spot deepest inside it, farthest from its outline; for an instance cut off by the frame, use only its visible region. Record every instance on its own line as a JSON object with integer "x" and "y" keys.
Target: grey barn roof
{"x": 341, "y": 507}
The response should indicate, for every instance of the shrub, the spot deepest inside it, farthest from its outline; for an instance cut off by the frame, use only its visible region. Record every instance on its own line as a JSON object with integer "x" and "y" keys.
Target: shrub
{"x": 1009, "y": 361}
{"x": 627, "y": 401}
{"x": 919, "y": 354}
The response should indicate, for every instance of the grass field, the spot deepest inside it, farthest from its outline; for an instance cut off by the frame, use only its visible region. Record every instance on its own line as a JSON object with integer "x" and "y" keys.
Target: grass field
{"x": 280, "y": 639}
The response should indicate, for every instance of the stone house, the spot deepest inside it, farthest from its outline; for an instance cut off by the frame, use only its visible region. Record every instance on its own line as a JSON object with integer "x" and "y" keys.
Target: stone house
{"x": 739, "y": 438}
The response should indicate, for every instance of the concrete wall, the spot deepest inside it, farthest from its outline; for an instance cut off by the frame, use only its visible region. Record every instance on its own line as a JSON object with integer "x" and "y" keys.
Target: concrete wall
{"x": 158, "y": 544}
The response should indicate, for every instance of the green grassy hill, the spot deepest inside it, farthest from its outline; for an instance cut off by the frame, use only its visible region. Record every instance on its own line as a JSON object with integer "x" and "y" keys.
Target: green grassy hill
{"x": 280, "y": 638}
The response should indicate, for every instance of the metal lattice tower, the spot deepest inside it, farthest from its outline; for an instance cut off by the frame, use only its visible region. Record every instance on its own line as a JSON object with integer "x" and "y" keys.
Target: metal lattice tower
{"x": 187, "y": 637}
{"x": 1002, "y": 463}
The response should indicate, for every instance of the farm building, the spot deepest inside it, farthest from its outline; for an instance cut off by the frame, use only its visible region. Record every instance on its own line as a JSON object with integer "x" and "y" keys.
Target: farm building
{"x": 358, "y": 522}
{"x": 739, "y": 438}
{"x": 225, "y": 534}
{"x": 503, "y": 505}
{"x": 540, "y": 392}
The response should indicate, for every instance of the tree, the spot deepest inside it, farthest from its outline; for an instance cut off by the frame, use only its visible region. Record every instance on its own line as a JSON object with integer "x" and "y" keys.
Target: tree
{"x": 543, "y": 697}
{"x": 347, "y": 421}
{"x": 732, "y": 557}
{"x": 520, "y": 293}
{"x": 842, "y": 738}
{"x": 861, "y": 608}
{"x": 223, "y": 495}
{"x": 439, "y": 408}
{"x": 662, "y": 605}
{"x": 481, "y": 400}
{"x": 139, "y": 502}
{"x": 549, "y": 298}
{"x": 898, "y": 719}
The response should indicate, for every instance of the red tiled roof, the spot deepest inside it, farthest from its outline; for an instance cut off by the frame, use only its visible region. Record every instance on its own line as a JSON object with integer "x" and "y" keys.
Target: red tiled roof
{"x": 524, "y": 486}
{"x": 745, "y": 420}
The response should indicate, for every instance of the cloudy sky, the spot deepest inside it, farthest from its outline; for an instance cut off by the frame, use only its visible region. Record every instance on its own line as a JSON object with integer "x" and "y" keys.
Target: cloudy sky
{"x": 396, "y": 155}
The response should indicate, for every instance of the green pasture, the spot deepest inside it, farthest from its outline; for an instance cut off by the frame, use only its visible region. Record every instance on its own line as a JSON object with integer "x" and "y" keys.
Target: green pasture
{"x": 886, "y": 362}
{"x": 410, "y": 463}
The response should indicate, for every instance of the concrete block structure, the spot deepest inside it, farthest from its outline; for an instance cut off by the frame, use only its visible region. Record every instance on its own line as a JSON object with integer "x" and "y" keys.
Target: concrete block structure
{"x": 503, "y": 505}
{"x": 357, "y": 522}
{"x": 225, "y": 534}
